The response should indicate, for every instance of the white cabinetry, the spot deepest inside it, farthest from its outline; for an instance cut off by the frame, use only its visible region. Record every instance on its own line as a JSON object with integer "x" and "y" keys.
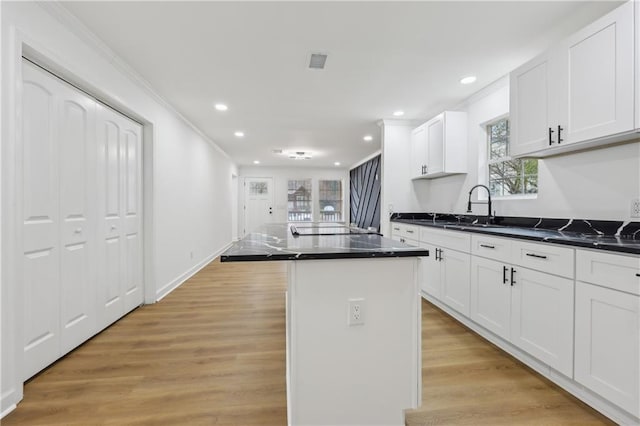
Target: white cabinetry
{"x": 531, "y": 309}
{"x": 607, "y": 322}
{"x": 580, "y": 93}
{"x": 445, "y": 273}
{"x": 418, "y": 152}
{"x": 439, "y": 146}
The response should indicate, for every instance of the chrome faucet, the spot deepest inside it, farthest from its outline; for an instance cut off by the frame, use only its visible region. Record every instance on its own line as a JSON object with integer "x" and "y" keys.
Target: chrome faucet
{"x": 488, "y": 202}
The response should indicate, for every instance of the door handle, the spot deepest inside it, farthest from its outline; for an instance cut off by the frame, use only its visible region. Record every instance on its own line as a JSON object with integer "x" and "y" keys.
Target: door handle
{"x": 560, "y": 129}
{"x": 550, "y": 133}
{"x": 513, "y": 281}
{"x": 441, "y": 251}
{"x": 504, "y": 275}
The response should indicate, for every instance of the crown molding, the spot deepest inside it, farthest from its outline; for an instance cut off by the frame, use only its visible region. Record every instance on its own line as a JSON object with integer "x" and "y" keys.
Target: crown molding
{"x": 79, "y": 29}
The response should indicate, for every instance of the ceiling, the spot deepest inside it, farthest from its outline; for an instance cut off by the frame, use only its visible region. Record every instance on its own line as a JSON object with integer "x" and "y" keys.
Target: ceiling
{"x": 383, "y": 57}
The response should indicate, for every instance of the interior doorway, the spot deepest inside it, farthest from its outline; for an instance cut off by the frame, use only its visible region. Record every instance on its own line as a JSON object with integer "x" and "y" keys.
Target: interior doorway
{"x": 258, "y": 203}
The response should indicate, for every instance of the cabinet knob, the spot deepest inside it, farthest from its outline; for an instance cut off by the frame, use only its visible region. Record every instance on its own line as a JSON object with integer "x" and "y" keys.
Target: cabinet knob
{"x": 113, "y": 227}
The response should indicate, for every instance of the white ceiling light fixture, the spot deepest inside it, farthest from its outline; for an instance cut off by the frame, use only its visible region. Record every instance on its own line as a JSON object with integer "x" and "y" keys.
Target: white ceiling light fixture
{"x": 256, "y": 162}
{"x": 468, "y": 79}
{"x": 221, "y": 107}
{"x": 368, "y": 138}
{"x": 398, "y": 113}
{"x": 317, "y": 61}
{"x": 239, "y": 134}
{"x": 299, "y": 155}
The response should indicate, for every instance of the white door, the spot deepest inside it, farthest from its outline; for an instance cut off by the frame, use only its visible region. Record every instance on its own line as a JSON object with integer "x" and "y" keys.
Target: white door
{"x": 119, "y": 213}
{"x": 491, "y": 295}
{"x": 542, "y": 317}
{"x": 430, "y": 277}
{"x": 455, "y": 270}
{"x": 597, "y": 96}
{"x": 258, "y": 203}
{"x": 608, "y": 344}
{"x": 418, "y": 151}
{"x": 40, "y": 220}
{"x": 532, "y": 106}
{"x": 435, "y": 150}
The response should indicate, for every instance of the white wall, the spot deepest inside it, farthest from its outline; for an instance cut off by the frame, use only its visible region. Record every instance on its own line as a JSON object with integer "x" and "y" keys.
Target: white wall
{"x": 191, "y": 176}
{"x": 396, "y": 192}
{"x": 280, "y": 177}
{"x": 597, "y": 184}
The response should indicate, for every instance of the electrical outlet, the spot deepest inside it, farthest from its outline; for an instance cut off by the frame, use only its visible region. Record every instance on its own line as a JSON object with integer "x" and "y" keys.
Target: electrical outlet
{"x": 635, "y": 208}
{"x": 355, "y": 313}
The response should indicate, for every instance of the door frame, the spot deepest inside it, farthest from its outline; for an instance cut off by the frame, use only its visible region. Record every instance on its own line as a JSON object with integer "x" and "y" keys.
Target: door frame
{"x": 11, "y": 296}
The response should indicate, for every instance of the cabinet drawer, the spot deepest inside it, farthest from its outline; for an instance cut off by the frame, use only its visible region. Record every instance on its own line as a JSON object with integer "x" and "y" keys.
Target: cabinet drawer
{"x": 543, "y": 257}
{"x": 407, "y": 231}
{"x": 455, "y": 240}
{"x": 494, "y": 248}
{"x": 615, "y": 271}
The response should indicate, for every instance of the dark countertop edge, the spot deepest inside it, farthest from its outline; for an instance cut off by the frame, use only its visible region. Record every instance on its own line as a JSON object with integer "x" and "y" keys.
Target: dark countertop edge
{"x": 311, "y": 256}
{"x": 574, "y": 243}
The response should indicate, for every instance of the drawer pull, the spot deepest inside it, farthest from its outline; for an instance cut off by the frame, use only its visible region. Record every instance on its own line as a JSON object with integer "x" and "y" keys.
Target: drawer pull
{"x": 487, "y": 246}
{"x": 537, "y": 256}
{"x": 396, "y": 229}
{"x": 637, "y": 275}
{"x": 409, "y": 231}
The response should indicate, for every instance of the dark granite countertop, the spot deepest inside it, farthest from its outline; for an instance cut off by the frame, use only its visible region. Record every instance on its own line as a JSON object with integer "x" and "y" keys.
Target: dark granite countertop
{"x": 276, "y": 242}
{"x": 616, "y": 236}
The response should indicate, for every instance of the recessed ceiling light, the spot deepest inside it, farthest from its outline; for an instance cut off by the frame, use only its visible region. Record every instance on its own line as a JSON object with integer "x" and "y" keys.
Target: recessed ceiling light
{"x": 239, "y": 134}
{"x": 256, "y": 162}
{"x": 468, "y": 80}
{"x": 337, "y": 163}
{"x": 398, "y": 113}
{"x": 221, "y": 107}
{"x": 368, "y": 138}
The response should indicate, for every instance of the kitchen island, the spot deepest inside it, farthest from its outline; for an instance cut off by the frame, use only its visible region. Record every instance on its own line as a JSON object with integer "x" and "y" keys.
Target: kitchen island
{"x": 353, "y": 321}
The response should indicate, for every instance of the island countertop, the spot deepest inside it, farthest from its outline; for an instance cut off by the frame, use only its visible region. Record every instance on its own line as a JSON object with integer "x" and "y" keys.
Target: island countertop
{"x": 276, "y": 242}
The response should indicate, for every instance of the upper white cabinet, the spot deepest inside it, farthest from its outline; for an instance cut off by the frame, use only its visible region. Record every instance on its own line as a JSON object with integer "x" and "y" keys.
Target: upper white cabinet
{"x": 439, "y": 146}
{"x": 419, "y": 152}
{"x": 579, "y": 94}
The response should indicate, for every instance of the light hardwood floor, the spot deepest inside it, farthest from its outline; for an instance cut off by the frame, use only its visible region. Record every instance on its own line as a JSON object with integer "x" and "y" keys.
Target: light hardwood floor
{"x": 213, "y": 352}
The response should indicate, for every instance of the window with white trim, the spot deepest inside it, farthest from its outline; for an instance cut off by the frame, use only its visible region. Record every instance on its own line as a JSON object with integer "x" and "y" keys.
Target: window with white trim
{"x": 507, "y": 176}
{"x": 299, "y": 207}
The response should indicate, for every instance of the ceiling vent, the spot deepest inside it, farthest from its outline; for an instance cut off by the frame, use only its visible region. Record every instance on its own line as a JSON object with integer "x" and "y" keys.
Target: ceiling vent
{"x": 317, "y": 61}
{"x": 277, "y": 151}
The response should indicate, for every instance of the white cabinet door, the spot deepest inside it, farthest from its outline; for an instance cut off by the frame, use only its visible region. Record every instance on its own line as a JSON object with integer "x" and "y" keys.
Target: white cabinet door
{"x": 435, "y": 143}
{"x": 455, "y": 279}
{"x": 542, "y": 317}
{"x": 597, "y": 72}
{"x": 430, "y": 277}
{"x": 418, "y": 152}
{"x": 531, "y": 106}
{"x": 491, "y": 295}
{"x": 608, "y": 344}
{"x": 40, "y": 220}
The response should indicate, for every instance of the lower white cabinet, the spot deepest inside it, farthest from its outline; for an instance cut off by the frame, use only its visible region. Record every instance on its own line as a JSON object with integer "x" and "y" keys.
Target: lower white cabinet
{"x": 608, "y": 344}
{"x": 542, "y": 317}
{"x": 454, "y": 279}
{"x": 533, "y": 310}
{"x": 430, "y": 276}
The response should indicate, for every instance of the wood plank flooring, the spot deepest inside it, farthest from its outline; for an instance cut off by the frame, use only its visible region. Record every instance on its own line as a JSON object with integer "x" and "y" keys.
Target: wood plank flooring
{"x": 213, "y": 352}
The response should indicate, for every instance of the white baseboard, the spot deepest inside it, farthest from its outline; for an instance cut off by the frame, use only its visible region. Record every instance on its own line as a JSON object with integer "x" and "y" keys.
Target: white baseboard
{"x": 177, "y": 282}
{"x": 8, "y": 410}
{"x": 595, "y": 401}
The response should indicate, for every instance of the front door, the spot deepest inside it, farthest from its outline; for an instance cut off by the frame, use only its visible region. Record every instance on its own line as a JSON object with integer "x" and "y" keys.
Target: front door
{"x": 258, "y": 203}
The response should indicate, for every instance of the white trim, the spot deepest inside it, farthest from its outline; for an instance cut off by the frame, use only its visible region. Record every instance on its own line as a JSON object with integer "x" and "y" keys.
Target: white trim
{"x": 8, "y": 410}
{"x": 482, "y": 93}
{"x": 180, "y": 279}
{"x": 79, "y": 29}
{"x": 598, "y": 403}
{"x": 365, "y": 159}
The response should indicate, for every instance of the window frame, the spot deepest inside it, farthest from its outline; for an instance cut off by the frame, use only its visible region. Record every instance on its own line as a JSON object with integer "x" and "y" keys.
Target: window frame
{"x": 486, "y": 161}
{"x": 310, "y": 201}
{"x": 342, "y": 199}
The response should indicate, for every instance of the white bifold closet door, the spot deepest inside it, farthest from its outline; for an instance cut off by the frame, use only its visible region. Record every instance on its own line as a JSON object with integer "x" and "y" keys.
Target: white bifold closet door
{"x": 59, "y": 200}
